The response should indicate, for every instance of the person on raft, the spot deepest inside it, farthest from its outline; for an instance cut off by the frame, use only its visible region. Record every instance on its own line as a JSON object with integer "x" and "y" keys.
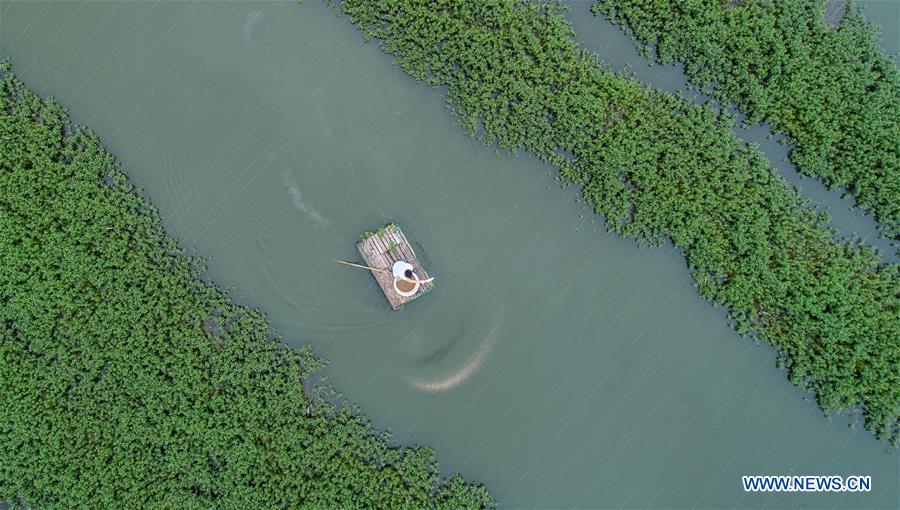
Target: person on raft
{"x": 403, "y": 270}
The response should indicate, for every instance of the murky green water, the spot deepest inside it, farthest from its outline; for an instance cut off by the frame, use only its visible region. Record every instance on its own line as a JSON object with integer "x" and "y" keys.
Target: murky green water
{"x": 562, "y": 366}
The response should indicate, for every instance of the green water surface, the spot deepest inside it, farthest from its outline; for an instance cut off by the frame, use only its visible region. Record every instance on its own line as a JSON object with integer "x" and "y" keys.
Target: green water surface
{"x": 562, "y": 366}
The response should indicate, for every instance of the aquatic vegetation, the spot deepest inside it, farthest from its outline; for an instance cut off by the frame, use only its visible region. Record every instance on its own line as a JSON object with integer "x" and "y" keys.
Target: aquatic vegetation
{"x": 129, "y": 382}
{"x": 387, "y": 227}
{"x": 659, "y": 167}
{"x": 832, "y": 90}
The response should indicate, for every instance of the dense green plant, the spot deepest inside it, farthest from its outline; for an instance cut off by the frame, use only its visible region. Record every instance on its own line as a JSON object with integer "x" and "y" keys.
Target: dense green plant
{"x": 832, "y": 90}
{"x": 657, "y": 166}
{"x": 127, "y": 382}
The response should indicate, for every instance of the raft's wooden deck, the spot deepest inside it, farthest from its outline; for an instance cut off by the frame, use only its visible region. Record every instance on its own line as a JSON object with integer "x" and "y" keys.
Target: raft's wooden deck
{"x": 381, "y": 250}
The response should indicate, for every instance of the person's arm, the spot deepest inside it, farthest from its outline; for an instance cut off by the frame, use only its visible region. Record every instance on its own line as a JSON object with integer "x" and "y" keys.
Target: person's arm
{"x": 414, "y": 280}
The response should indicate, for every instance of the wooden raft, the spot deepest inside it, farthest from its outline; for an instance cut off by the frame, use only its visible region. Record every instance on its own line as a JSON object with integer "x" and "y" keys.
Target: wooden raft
{"x": 381, "y": 250}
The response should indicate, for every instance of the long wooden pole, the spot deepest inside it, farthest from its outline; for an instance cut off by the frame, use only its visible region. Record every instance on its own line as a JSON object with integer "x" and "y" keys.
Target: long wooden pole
{"x": 382, "y": 270}
{"x": 346, "y": 263}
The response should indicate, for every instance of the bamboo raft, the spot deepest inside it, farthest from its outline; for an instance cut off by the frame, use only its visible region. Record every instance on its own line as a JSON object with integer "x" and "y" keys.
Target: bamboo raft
{"x": 380, "y": 250}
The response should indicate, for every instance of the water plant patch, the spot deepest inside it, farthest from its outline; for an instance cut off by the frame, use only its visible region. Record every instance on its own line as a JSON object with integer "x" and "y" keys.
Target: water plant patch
{"x": 831, "y": 89}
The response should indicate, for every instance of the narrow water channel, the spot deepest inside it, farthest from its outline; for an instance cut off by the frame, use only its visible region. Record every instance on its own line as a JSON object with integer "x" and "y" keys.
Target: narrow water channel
{"x": 562, "y": 366}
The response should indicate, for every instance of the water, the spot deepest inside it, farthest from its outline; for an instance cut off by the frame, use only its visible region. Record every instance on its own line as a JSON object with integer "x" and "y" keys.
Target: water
{"x": 562, "y": 366}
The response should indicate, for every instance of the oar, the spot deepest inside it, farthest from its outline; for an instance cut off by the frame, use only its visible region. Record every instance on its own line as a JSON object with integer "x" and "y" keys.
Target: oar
{"x": 383, "y": 270}
{"x": 346, "y": 263}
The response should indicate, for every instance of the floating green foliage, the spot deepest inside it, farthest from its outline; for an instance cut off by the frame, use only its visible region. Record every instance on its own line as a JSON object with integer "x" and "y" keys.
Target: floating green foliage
{"x": 128, "y": 382}
{"x": 657, "y": 166}
{"x": 387, "y": 227}
{"x": 832, "y": 90}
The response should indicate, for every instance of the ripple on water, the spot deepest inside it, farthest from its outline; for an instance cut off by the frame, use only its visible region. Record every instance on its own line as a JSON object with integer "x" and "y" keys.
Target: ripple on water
{"x": 252, "y": 21}
{"x": 177, "y": 167}
{"x": 440, "y": 371}
{"x": 301, "y": 203}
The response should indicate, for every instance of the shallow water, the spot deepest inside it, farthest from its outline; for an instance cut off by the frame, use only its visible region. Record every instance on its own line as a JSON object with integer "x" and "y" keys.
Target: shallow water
{"x": 562, "y": 366}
